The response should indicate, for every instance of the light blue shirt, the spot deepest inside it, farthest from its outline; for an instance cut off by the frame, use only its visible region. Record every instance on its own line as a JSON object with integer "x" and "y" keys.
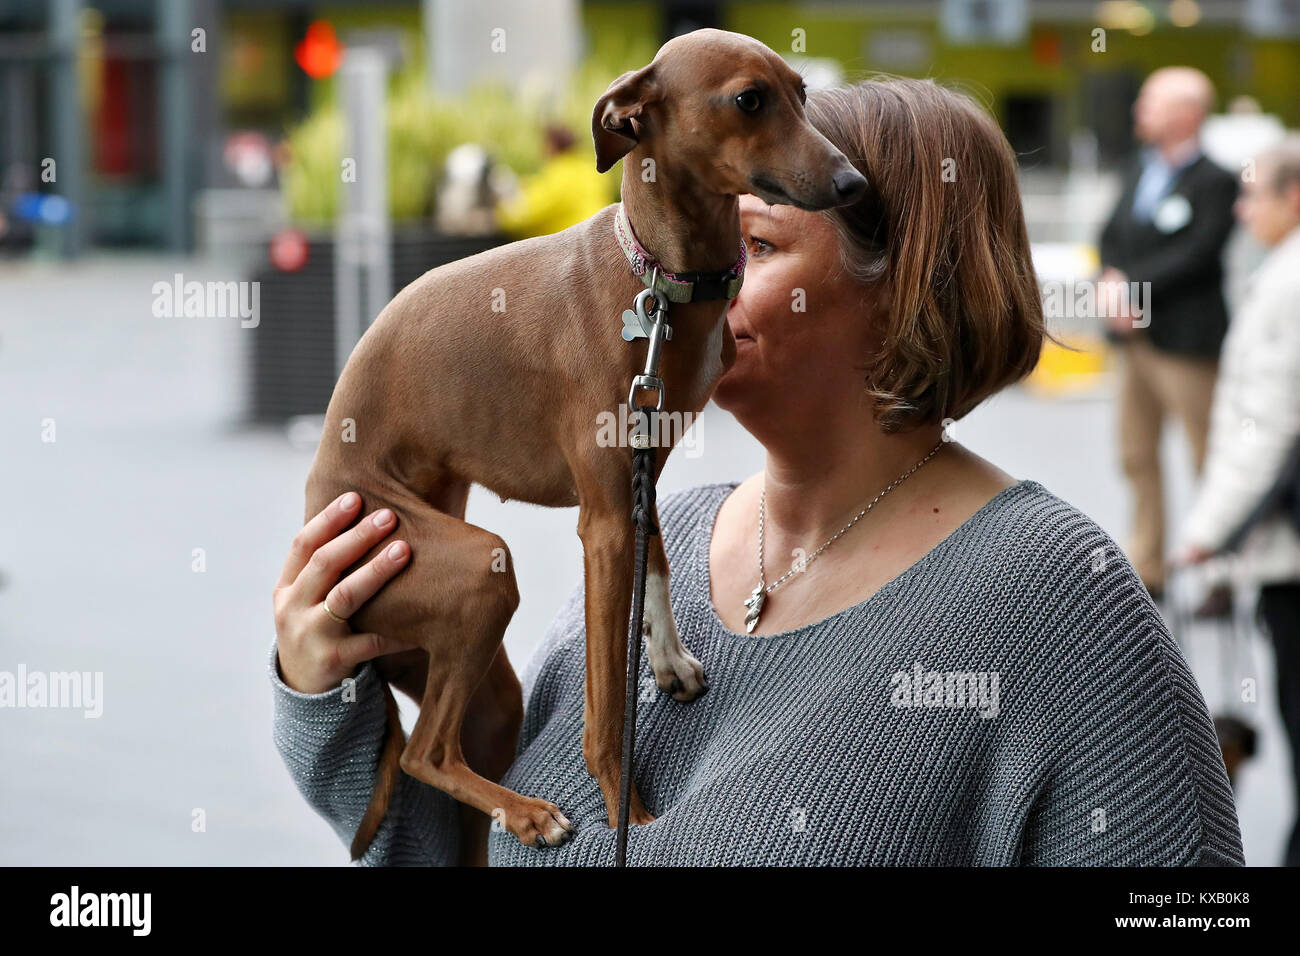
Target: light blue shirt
{"x": 1156, "y": 180}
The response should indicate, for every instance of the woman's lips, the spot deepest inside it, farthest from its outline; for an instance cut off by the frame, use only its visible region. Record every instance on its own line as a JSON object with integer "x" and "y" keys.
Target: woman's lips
{"x": 740, "y": 335}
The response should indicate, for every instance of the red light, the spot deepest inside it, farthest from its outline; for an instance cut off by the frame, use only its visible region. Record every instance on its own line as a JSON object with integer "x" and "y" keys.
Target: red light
{"x": 289, "y": 250}
{"x": 320, "y": 53}
{"x": 1046, "y": 49}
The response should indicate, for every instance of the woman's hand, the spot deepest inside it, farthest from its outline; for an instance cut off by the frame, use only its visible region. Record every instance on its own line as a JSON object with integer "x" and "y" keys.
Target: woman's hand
{"x": 317, "y": 652}
{"x": 1113, "y": 290}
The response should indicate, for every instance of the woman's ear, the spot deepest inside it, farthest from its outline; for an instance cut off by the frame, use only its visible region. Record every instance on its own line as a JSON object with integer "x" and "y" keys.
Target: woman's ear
{"x": 617, "y": 119}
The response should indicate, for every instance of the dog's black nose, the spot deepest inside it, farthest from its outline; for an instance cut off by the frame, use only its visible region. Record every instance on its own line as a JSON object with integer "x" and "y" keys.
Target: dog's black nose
{"x": 850, "y": 185}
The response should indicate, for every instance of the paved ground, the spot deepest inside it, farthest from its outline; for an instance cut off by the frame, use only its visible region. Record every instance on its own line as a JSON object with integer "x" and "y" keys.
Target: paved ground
{"x": 98, "y": 530}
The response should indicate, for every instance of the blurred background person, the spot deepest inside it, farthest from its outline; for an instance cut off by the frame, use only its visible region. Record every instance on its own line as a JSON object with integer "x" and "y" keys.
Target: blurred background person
{"x": 1168, "y": 229}
{"x": 473, "y": 185}
{"x": 1250, "y": 468}
{"x": 566, "y": 190}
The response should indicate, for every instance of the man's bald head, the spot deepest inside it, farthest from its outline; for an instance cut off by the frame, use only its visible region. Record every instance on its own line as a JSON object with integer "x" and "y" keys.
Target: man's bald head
{"x": 1172, "y": 105}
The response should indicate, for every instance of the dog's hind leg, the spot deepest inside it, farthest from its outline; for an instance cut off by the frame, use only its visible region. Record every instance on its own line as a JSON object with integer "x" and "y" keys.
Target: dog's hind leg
{"x": 489, "y": 738}
{"x": 408, "y": 671}
{"x": 463, "y": 650}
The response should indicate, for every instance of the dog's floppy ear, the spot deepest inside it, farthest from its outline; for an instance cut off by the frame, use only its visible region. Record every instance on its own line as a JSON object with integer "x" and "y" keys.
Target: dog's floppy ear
{"x": 616, "y": 121}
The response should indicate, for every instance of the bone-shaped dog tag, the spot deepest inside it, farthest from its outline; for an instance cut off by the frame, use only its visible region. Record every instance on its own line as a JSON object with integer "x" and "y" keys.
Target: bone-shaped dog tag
{"x": 632, "y": 327}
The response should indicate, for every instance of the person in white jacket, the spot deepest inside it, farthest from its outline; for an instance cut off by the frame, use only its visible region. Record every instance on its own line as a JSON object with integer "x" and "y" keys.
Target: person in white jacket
{"x": 1255, "y": 434}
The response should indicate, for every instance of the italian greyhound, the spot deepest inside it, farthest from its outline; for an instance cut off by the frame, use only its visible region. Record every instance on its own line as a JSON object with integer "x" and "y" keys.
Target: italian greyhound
{"x": 495, "y": 370}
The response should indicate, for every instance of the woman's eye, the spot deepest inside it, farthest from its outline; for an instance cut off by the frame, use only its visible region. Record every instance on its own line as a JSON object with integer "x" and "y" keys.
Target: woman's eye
{"x": 759, "y": 246}
{"x": 749, "y": 101}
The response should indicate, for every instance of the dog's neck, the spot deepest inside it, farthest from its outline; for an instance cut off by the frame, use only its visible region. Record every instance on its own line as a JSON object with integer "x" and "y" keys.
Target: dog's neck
{"x": 686, "y": 228}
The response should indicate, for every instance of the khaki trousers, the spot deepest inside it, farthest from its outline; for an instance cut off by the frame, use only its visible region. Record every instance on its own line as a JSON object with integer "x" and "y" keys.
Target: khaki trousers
{"x": 1155, "y": 385}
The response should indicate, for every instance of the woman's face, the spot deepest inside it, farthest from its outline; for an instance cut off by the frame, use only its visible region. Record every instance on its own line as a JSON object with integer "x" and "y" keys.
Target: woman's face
{"x": 800, "y": 322}
{"x": 1267, "y": 212}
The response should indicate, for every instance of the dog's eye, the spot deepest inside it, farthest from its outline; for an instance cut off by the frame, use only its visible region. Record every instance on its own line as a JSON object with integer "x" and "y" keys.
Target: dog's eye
{"x": 749, "y": 101}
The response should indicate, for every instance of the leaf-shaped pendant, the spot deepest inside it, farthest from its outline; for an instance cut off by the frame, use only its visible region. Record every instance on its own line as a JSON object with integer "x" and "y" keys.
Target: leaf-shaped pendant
{"x": 755, "y": 604}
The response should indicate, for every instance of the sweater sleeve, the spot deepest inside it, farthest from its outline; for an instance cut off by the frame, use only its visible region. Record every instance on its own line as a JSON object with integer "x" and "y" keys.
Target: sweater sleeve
{"x": 1138, "y": 778}
{"x": 330, "y": 744}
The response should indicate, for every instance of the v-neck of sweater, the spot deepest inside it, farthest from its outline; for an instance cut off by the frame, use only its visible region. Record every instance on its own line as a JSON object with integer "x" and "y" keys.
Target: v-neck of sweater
{"x": 701, "y": 578}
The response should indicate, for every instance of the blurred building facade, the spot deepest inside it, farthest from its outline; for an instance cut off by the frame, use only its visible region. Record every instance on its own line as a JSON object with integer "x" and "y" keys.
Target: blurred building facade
{"x": 143, "y": 104}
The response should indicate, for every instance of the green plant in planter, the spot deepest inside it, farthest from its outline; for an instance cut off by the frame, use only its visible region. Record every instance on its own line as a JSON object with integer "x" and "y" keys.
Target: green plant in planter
{"x": 311, "y": 178}
{"x": 422, "y": 130}
{"x": 424, "y": 127}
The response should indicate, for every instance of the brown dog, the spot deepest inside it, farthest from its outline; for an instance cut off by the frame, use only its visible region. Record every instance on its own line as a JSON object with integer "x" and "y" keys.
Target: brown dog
{"x": 494, "y": 369}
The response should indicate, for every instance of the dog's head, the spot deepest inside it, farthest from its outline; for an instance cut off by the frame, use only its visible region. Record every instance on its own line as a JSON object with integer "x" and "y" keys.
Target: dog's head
{"x": 723, "y": 108}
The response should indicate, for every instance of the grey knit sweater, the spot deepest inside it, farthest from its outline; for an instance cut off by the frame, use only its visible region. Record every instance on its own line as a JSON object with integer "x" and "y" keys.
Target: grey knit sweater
{"x": 1012, "y": 698}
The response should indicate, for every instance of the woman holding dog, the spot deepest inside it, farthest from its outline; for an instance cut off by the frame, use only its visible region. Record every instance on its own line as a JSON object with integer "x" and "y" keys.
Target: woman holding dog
{"x": 915, "y": 659}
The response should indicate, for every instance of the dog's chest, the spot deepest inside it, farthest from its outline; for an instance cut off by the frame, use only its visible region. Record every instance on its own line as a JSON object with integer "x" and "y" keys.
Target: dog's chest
{"x": 696, "y": 364}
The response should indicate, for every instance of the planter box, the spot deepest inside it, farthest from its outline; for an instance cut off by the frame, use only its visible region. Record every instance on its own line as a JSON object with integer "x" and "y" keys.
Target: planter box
{"x": 293, "y": 347}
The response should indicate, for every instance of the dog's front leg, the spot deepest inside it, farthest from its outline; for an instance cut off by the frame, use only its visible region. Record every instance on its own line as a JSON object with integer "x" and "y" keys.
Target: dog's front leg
{"x": 677, "y": 672}
{"x": 608, "y": 540}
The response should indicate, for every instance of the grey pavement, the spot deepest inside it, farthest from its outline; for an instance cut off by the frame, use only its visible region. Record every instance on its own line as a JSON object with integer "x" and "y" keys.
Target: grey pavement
{"x": 98, "y": 531}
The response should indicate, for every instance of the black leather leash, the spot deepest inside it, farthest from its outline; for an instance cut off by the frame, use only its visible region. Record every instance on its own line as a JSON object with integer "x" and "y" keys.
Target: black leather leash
{"x": 657, "y": 331}
{"x": 643, "y": 505}
{"x": 651, "y": 322}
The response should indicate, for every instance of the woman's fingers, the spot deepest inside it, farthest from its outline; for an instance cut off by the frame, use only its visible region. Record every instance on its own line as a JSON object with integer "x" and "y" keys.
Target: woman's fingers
{"x": 346, "y": 597}
{"x": 316, "y": 649}
{"x": 336, "y": 516}
{"x": 359, "y": 648}
{"x": 334, "y": 557}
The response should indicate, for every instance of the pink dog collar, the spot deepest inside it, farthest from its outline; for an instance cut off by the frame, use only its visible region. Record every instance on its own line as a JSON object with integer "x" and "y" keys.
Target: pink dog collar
{"x": 681, "y": 286}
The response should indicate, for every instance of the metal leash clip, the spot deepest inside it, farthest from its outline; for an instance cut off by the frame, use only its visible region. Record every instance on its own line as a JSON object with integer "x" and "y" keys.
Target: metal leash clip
{"x": 638, "y": 324}
{"x": 659, "y": 332}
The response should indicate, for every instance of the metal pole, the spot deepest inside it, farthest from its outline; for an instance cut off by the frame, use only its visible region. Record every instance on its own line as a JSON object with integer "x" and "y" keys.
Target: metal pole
{"x": 19, "y": 164}
{"x": 362, "y": 233}
{"x": 429, "y": 26}
{"x": 68, "y": 120}
{"x": 172, "y": 25}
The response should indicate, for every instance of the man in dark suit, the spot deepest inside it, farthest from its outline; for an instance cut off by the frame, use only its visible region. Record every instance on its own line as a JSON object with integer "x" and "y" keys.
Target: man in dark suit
{"x": 1168, "y": 229}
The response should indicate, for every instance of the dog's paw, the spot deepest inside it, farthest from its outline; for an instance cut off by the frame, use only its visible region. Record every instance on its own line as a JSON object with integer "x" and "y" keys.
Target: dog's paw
{"x": 538, "y": 823}
{"x": 677, "y": 673}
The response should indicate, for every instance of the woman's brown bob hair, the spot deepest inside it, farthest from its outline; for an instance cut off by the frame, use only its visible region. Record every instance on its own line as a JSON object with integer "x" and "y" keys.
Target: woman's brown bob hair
{"x": 940, "y": 237}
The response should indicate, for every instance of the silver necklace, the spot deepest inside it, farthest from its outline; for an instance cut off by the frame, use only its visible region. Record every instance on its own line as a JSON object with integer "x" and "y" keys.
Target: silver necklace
{"x": 758, "y": 597}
